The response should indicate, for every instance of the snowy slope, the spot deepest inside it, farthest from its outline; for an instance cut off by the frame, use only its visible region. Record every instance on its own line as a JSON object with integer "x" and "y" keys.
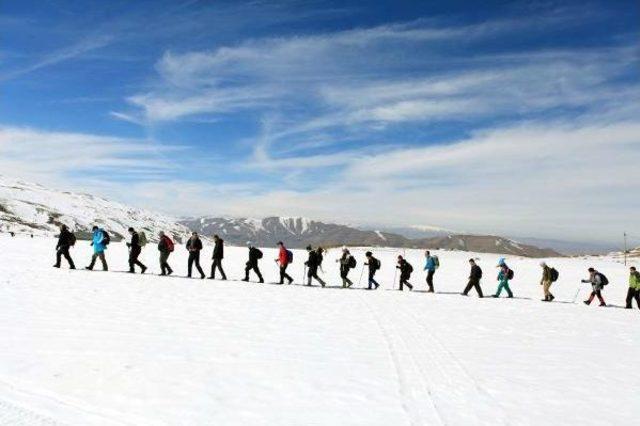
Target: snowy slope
{"x": 32, "y": 208}
{"x": 111, "y": 348}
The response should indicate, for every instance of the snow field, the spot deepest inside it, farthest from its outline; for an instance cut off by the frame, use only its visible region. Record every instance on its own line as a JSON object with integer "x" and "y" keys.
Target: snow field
{"x": 111, "y": 348}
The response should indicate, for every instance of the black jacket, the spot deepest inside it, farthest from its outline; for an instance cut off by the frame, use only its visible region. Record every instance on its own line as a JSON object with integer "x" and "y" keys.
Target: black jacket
{"x": 476, "y": 273}
{"x": 194, "y": 245}
{"x": 135, "y": 241}
{"x": 254, "y": 255}
{"x": 313, "y": 261}
{"x": 405, "y": 268}
{"x": 218, "y": 249}
{"x": 373, "y": 264}
{"x": 65, "y": 239}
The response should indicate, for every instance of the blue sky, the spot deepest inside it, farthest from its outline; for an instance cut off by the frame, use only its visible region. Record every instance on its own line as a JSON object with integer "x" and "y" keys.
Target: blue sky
{"x": 516, "y": 118}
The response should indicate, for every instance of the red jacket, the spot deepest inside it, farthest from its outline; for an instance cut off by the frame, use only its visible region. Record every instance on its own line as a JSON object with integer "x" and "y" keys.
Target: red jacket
{"x": 282, "y": 257}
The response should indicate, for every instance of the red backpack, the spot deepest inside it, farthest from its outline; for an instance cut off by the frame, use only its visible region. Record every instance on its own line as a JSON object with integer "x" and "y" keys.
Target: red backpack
{"x": 169, "y": 243}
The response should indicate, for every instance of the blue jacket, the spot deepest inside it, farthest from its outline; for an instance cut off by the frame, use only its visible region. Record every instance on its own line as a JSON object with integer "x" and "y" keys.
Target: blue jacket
{"x": 430, "y": 265}
{"x": 98, "y": 238}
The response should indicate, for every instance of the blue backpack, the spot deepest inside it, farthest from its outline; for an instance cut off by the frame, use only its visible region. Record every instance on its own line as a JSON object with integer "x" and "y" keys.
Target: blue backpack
{"x": 289, "y": 256}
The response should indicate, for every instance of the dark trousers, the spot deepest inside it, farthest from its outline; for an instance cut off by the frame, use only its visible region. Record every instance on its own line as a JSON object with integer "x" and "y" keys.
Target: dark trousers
{"x": 164, "y": 264}
{"x": 194, "y": 257}
{"x": 217, "y": 264}
{"x": 102, "y": 259}
{"x": 344, "y": 272}
{"x": 283, "y": 274}
{"x": 430, "y": 279}
{"x": 313, "y": 273}
{"x": 473, "y": 283}
{"x": 632, "y": 294}
{"x": 133, "y": 259}
{"x": 64, "y": 251}
{"x": 252, "y": 267}
{"x": 372, "y": 280}
{"x": 404, "y": 280}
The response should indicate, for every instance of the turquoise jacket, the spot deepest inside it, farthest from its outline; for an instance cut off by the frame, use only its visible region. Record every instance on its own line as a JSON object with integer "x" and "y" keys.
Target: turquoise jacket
{"x": 430, "y": 265}
{"x": 97, "y": 240}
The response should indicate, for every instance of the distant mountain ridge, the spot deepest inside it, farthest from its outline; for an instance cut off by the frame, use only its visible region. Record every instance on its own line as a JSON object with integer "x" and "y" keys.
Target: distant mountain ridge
{"x": 297, "y": 232}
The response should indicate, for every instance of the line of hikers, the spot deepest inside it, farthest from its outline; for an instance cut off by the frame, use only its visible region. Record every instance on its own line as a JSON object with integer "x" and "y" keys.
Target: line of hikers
{"x": 100, "y": 240}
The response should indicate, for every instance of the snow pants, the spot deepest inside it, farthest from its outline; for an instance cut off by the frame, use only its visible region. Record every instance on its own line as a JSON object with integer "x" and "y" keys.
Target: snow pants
{"x": 430, "y": 279}
{"x": 404, "y": 280}
{"x": 217, "y": 264}
{"x": 632, "y": 294}
{"x": 194, "y": 257}
{"x": 504, "y": 284}
{"x": 545, "y": 287}
{"x": 64, "y": 251}
{"x": 313, "y": 273}
{"x": 251, "y": 267}
{"x": 473, "y": 283}
{"x": 372, "y": 281}
{"x": 133, "y": 259}
{"x": 283, "y": 274}
{"x": 102, "y": 259}
{"x": 344, "y": 272}
{"x": 164, "y": 263}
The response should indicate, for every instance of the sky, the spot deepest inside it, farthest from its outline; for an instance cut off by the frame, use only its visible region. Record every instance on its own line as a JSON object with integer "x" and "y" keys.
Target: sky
{"x": 509, "y": 118}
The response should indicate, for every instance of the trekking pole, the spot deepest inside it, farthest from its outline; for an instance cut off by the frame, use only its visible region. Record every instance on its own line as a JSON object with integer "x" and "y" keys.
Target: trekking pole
{"x": 304, "y": 273}
{"x": 395, "y": 273}
{"x": 360, "y": 279}
{"x": 576, "y": 296}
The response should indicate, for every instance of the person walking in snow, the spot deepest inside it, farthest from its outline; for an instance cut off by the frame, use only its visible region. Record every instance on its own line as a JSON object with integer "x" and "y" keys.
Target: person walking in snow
{"x": 252, "y": 264}
{"x": 597, "y": 281}
{"x": 430, "y": 266}
{"x": 504, "y": 276}
{"x": 405, "y": 273}
{"x": 165, "y": 247}
{"x": 218, "y": 255}
{"x": 634, "y": 287}
{"x": 66, "y": 240}
{"x": 320, "y": 254}
{"x": 283, "y": 260}
{"x": 546, "y": 281}
{"x": 474, "y": 279}
{"x": 374, "y": 265}
{"x": 347, "y": 262}
{"x": 312, "y": 265}
{"x": 135, "y": 248}
{"x": 194, "y": 246}
{"x": 99, "y": 241}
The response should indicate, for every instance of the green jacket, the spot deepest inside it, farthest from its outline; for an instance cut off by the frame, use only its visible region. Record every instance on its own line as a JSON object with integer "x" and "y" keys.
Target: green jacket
{"x": 634, "y": 280}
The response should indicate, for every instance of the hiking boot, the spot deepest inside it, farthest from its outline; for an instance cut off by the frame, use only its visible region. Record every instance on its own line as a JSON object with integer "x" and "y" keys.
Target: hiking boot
{"x": 212, "y": 278}
{"x": 56, "y": 266}
{"x": 261, "y": 281}
{"x": 495, "y": 296}
{"x": 131, "y": 271}
{"x": 586, "y": 302}
{"x": 163, "y": 274}
{"x": 88, "y": 268}
{"x": 144, "y": 269}
{"x": 203, "y": 276}
{"x": 290, "y": 280}
{"x": 245, "y": 279}
{"x": 170, "y": 271}
{"x": 551, "y": 297}
{"x": 603, "y": 304}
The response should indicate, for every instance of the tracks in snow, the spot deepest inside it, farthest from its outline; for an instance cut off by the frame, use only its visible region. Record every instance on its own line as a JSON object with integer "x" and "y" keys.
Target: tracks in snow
{"x": 436, "y": 387}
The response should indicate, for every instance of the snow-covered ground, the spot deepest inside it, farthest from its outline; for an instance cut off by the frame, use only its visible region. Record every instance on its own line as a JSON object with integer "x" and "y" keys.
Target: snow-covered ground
{"x": 111, "y": 348}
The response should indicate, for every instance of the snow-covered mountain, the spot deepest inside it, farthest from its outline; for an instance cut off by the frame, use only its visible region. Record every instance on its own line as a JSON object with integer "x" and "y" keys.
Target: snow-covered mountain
{"x": 33, "y": 209}
{"x": 297, "y": 232}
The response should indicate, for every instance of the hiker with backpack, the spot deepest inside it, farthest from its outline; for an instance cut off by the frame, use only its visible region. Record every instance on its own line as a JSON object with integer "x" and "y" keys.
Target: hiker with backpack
{"x": 218, "y": 255}
{"x": 549, "y": 275}
{"x": 634, "y": 287}
{"x": 374, "y": 265}
{"x": 165, "y": 247}
{"x": 252, "y": 264}
{"x": 320, "y": 255}
{"x": 347, "y": 262}
{"x": 597, "y": 281}
{"x": 99, "y": 241}
{"x": 312, "y": 265}
{"x": 285, "y": 257}
{"x": 405, "y": 273}
{"x": 194, "y": 246}
{"x": 135, "y": 248}
{"x": 504, "y": 276}
{"x": 431, "y": 264}
{"x": 66, "y": 240}
{"x": 474, "y": 279}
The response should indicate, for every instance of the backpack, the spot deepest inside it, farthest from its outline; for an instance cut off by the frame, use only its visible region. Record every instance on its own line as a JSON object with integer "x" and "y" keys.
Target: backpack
{"x": 436, "y": 261}
{"x": 289, "y": 256}
{"x": 554, "y": 275}
{"x": 509, "y": 273}
{"x": 106, "y": 239}
{"x": 142, "y": 239}
{"x": 259, "y": 254}
{"x": 169, "y": 243}
{"x": 72, "y": 239}
{"x": 409, "y": 267}
{"x": 603, "y": 280}
{"x": 480, "y": 269}
{"x": 352, "y": 262}
{"x": 377, "y": 264}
